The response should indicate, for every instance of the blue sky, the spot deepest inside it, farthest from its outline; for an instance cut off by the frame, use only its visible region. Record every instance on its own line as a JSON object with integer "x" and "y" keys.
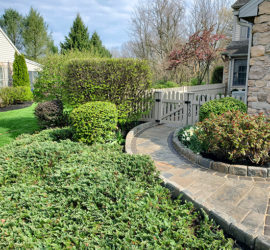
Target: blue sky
{"x": 110, "y": 18}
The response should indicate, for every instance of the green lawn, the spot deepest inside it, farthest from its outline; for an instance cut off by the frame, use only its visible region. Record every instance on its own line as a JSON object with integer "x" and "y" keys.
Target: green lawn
{"x": 17, "y": 122}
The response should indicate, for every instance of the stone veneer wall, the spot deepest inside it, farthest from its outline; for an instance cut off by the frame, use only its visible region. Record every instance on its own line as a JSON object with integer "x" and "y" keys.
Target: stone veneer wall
{"x": 259, "y": 75}
{"x": 226, "y": 75}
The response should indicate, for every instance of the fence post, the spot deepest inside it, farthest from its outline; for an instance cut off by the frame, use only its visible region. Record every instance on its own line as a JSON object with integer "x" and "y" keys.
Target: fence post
{"x": 158, "y": 106}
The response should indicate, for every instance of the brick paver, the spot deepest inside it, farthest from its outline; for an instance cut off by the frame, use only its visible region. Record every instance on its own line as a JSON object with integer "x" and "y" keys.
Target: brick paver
{"x": 244, "y": 200}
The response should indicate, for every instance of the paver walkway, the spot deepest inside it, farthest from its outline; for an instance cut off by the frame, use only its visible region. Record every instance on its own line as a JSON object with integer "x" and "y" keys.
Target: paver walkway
{"x": 244, "y": 200}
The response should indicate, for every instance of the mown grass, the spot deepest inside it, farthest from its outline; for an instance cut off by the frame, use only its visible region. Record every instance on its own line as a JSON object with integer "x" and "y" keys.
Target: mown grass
{"x": 16, "y": 122}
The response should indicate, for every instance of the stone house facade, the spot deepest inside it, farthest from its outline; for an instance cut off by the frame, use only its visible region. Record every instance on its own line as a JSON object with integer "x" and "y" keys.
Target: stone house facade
{"x": 247, "y": 58}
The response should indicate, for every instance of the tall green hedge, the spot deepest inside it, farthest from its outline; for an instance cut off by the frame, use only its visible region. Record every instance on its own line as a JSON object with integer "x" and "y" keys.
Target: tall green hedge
{"x": 20, "y": 72}
{"x": 120, "y": 81}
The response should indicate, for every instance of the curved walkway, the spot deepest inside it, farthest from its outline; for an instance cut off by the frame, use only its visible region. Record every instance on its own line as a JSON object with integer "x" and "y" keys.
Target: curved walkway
{"x": 238, "y": 204}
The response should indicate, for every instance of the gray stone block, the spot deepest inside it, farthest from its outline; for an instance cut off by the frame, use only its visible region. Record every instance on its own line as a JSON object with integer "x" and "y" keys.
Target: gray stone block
{"x": 238, "y": 170}
{"x": 257, "y": 171}
{"x": 220, "y": 167}
{"x": 241, "y": 234}
{"x": 204, "y": 161}
{"x": 262, "y": 243}
{"x": 221, "y": 219}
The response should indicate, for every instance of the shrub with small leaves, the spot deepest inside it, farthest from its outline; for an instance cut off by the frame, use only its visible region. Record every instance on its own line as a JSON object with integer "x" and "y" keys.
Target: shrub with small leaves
{"x": 236, "y": 137}
{"x": 59, "y": 194}
{"x": 15, "y": 95}
{"x": 220, "y": 106}
{"x": 50, "y": 114}
{"x": 94, "y": 122}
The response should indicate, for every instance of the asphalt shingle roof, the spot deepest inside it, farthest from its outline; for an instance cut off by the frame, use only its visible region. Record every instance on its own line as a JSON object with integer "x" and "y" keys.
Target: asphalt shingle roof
{"x": 237, "y": 48}
{"x": 239, "y": 3}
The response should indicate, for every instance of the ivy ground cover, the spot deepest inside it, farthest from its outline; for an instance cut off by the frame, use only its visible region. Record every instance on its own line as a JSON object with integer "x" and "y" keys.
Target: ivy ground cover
{"x": 17, "y": 122}
{"x": 58, "y": 194}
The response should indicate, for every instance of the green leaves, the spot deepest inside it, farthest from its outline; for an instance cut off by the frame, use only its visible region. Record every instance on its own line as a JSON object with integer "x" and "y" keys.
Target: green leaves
{"x": 20, "y": 73}
{"x": 94, "y": 122}
{"x": 221, "y": 106}
{"x": 237, "y": 137}
{"x": 55, "y": 193}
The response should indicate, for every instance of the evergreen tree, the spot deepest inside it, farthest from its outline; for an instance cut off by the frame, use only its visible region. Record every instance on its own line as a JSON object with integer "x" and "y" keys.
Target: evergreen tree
{"x": 78, "y": 37}
{"x": 12, "y": 23}
{"x": 35, "y": 35}
{"x": 96, "y": 45}
{"x": 20, "y": 72}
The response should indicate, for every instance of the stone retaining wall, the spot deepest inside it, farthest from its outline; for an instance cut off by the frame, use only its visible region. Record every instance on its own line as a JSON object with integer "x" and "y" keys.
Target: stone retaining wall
{"x": 259, "y": 74}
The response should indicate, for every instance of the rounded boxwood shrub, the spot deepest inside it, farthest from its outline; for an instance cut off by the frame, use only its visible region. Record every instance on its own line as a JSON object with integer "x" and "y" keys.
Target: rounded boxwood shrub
{"x": 50, "y": 114}
{"x": 220, "y": 106}
{"x": 236, "y": 137}
{"x": 94, "y": 122}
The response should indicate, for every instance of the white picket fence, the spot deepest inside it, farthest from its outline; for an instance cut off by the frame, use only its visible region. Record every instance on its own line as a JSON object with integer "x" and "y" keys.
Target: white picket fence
{"x": 174, "y": 107}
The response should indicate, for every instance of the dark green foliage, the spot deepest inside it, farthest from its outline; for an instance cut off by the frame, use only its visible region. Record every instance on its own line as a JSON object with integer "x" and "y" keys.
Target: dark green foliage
{"x": 78, "y": 37}
{"x": 165, "y": 84}
{"x": 50, "y": 114}
{"x": 120, "y": 81}
{"x": 12, "y": 23}
{"x": 35, "y": 35}
{"x": 20, "y": 73}
{"x": 217, "y": 76}
{"x": 59, "y": 195}
{"x": 15, "y": 95}
{"x": 221, "y": 106}
{"x": 94, "y": 122}
{"x": 97, "y": 47}
{"x": 237, "y": 137}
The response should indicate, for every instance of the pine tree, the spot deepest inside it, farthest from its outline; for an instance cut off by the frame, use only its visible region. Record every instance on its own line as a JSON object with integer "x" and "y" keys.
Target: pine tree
{"x": 12, "y": 23}
{"x": 35, "y": 35}
{"x": 96, "y": 45}
{"x": 78, "y": 37}
{"x": 20, "y": 72}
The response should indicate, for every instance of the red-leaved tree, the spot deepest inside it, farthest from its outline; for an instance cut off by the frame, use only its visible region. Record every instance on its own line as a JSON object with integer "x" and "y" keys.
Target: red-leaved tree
{"x": 199, "y": 52}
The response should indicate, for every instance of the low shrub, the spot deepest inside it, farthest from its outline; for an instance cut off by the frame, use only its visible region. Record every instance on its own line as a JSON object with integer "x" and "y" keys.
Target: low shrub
{"x": 15, "y": 95}
{"x": 189, "y": 138}
{"x": 59, "y": 195}
{"x": 217, "y": 75}
{"x": 119, "y": 81}
{"x": 220, "y": 106}
{"x": 236, "y": 137}
{"x": 50, "y": 114}
{"x": 165, "y": 84}
{"x": 94, "y": 122}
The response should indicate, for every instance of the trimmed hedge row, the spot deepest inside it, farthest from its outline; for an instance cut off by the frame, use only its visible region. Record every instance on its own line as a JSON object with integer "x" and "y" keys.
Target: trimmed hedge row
{"x": 58, "y": 194}
{"x": 119, "y": 81}
{"x": 15, "y": 95}
{"x": 94, "y": 122}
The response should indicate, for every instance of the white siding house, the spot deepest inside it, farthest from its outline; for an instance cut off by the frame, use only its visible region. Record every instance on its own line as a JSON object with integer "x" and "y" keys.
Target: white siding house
{"x": 7, "y": 52}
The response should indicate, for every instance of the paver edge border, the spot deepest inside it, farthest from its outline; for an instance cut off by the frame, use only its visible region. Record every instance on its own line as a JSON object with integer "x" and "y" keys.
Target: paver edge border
{"x": 226, "y": 223}
{"x": 133, "y": 132}
{"x": 238, "y": 170}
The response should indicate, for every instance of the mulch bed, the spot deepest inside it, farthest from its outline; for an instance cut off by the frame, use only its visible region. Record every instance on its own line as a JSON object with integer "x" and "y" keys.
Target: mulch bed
{"x": 16, "y": 106}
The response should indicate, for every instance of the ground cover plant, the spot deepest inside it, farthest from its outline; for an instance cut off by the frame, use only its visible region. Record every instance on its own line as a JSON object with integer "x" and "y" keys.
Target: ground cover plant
{"x": 17, "y": 122}
{"x": 55, "y": 193}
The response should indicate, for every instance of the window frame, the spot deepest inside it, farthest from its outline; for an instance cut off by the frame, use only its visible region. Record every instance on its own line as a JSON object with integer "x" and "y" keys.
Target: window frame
{"x": 233, "y": 85}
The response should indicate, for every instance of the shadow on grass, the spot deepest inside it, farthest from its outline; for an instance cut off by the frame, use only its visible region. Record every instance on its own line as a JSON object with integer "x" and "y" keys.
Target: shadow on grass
{"x": 10, "y": 128}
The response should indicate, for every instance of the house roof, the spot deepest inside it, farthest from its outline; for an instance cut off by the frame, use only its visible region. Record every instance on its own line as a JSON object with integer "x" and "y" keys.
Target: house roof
{"x": 239, "y": 3}
{"x": 237, "y": 48}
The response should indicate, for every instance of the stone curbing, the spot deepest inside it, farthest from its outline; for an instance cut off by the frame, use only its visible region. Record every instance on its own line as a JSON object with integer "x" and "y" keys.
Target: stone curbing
{"x": 227, "y": 223}
{"x": 239, "y": 170}
{"x": 132, "y": 133}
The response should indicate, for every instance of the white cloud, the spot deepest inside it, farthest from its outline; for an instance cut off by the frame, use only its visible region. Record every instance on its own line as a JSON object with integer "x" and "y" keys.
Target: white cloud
{"x": 109, "y": 18}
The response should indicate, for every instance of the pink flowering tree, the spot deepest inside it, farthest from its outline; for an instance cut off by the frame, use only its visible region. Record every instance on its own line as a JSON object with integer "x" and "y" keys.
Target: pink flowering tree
{"x": 199, "y": 52}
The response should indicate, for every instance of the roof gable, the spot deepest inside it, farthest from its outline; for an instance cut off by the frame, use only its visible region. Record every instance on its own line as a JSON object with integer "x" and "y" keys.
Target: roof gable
{"x": 239, "y": 3}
